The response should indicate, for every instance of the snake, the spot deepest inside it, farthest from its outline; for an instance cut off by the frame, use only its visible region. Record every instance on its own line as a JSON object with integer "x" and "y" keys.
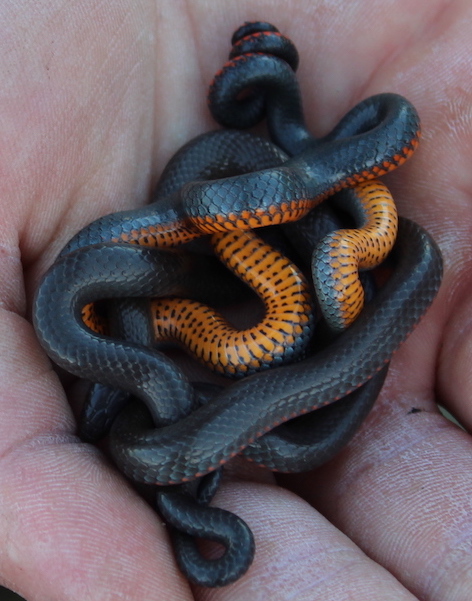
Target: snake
{"x": 379, "y": 134}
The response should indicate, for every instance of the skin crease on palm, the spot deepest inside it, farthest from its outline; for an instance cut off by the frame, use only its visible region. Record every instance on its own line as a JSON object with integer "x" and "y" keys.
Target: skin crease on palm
{"x": 95, "y": 98}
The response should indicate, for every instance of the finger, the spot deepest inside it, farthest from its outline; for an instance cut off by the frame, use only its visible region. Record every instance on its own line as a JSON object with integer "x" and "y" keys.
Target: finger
{"x": 299, "y": 554}
{"x": 454, "y": 366}
{"x": 70, "y": 527}
{"x": 78, "y": 111}
{"x": 402, "y": 491}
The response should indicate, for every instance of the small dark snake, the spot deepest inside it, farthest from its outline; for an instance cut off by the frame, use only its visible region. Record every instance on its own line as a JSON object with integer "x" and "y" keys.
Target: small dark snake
{"x": 191, "y": 441}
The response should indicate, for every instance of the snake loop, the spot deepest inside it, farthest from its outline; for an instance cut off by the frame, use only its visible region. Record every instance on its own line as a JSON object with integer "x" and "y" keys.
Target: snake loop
{"x": 337, "y": 259}
{"x": 232, "y": 181}
{"x": 283, "y": 333}
{"x": 257, "y": 66}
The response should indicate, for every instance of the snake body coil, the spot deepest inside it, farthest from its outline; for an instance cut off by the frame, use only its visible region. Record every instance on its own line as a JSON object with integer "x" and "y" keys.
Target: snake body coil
{"x": 231, "y": 181}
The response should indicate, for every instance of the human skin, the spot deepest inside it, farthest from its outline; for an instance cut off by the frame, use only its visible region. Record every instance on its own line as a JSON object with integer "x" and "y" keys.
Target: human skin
{"x": 95, "y": 98}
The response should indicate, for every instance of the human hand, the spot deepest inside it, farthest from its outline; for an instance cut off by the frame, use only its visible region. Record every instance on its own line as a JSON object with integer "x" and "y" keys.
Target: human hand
{"x": 94, "y": 101}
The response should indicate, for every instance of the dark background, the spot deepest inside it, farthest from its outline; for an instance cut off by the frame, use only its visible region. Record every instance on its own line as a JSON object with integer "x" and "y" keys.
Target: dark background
{"x": 6, "y": 595}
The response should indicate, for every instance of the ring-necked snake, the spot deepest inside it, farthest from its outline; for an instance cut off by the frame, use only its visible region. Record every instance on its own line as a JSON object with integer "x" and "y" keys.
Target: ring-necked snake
{"x": 376, "y": 136}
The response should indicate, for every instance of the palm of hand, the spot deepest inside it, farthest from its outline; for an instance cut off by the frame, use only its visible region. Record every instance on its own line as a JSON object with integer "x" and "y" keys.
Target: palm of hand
{"x": 94, "y": 101}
